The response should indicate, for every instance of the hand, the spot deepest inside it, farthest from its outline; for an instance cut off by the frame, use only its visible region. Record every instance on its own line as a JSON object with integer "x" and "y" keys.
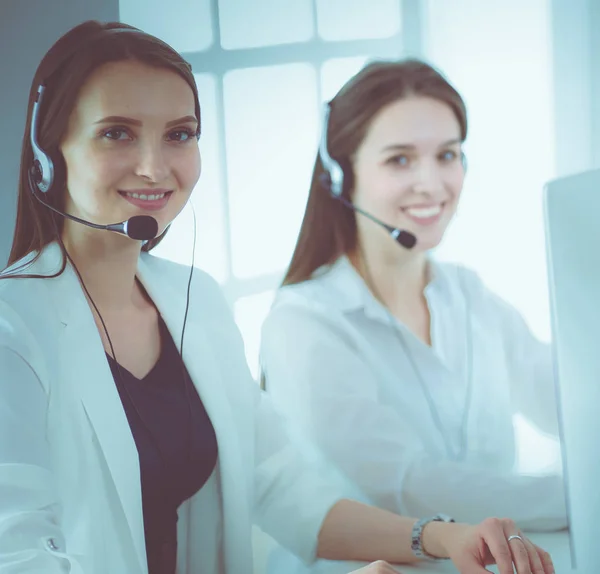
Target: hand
{"x": 379, "y": 567}
{"x": 471, "y": 548}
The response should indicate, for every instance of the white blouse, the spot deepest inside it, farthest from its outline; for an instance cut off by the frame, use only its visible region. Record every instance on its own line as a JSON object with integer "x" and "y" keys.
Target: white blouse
{"x": 418, "y": 429}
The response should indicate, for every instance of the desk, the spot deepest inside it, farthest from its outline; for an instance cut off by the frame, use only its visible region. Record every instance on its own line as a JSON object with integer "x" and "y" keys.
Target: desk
{"x": 556, "y": 543}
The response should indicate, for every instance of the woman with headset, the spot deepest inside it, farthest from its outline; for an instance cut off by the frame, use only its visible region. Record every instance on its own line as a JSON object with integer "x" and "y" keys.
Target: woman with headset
{"x": 404, "y": 371}
{"x": 132, "y": 437}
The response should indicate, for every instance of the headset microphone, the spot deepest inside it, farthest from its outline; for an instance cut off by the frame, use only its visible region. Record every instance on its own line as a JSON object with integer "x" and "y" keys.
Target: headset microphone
{"x": 404, "y": 238}
{"x": 41, "y": 176}
{"x": 333, "y": 181}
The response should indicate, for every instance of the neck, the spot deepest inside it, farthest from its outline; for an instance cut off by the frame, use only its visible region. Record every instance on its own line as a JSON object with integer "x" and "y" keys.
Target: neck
{"x": 107, "y": 263}
{"x": 395, "y": 275}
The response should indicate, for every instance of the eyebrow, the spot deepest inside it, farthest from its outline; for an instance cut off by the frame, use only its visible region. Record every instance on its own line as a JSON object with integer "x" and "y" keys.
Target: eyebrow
{"x": 408, "y": 147}
{"x": 133, "y": 122}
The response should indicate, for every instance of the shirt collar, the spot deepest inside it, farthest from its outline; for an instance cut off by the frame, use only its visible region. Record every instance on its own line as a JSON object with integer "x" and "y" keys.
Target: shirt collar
{"x": 351, "y": 292}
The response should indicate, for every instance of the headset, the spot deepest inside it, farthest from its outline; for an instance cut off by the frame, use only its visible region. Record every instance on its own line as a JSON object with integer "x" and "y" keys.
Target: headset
{"x": 41, "y": 176}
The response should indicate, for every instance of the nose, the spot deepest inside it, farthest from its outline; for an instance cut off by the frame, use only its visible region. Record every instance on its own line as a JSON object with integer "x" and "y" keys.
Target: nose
{"x": 152, "y": 163}
{"x": 428, "y": 178}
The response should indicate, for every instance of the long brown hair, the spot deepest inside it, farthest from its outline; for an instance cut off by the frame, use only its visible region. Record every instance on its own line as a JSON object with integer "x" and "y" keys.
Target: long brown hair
{"x": 64, "y": 70}
{"x": 329, "y": 228}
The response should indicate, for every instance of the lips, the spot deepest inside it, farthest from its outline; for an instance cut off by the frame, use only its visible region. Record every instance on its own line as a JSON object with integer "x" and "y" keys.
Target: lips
{"x": 148, "y": 199}
{"x": 424, "y": 214}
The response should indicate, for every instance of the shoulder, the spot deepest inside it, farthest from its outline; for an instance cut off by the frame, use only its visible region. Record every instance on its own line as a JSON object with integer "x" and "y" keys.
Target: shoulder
{"x": 28, "y": 286}
{"x": 312, "y": 313}
{"x": 30, "y": 271}
{"x": 311, "y": 301}
{"x": 333, "y": 289}
{"x": 28, "y": 325}
{"x": 310, "y": 294}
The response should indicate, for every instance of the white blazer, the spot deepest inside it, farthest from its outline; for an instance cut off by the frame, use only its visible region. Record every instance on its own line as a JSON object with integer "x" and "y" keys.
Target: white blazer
{"x": 70, "y": 494}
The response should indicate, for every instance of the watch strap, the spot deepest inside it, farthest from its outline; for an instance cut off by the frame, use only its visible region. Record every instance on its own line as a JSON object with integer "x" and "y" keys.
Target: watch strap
{"x": 417, "y": 536}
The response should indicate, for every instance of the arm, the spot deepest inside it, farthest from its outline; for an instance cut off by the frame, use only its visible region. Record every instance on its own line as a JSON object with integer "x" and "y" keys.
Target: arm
{"x": 317, "y": 380}
{"x": 530, "y": 361}
{"x": 353, "y": 531}
{"x": 31, "y": 539}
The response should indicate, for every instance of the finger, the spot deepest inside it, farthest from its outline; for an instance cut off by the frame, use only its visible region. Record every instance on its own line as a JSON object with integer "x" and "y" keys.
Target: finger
{"x": 494, "y": 536}
{"x": 545, "y": 559}
{"x": 535, "y": 561}
{"x": 384, "y": 568}
{"x": 520, "y": 556}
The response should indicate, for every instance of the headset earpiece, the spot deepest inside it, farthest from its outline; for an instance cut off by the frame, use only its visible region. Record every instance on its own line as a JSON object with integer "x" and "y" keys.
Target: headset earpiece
{"x": 42, "y": 170}
{"x": 333, "y": 170}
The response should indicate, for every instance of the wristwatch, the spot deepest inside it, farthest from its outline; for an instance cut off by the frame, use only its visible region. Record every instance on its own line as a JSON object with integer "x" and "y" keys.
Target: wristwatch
{"x": 417, "y": 535}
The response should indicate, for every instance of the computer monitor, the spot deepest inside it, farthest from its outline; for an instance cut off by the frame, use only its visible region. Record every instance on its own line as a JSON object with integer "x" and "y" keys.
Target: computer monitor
{"x": 572, "y": 217}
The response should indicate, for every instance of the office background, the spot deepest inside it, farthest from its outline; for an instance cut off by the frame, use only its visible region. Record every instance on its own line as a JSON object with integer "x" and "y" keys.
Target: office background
{"x": 529, "y": 72}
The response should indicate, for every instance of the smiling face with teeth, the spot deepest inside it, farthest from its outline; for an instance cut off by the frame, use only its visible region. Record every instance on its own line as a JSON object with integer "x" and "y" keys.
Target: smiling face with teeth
{"x": 131, "y": 147}
{"x": 408, "y": 171}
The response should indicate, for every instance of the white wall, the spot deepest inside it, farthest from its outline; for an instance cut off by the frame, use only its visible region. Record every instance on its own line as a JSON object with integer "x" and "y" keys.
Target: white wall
{"x": 499, "y": 55}
{"x": 575, "y": 84}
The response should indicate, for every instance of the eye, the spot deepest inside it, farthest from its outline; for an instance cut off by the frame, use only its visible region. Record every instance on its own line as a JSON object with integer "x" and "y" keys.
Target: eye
{"x": 401, "y": 160}
{"x": 448, "y": 156}
{"x": 181, "y": 135}
{"x": 116, "y": 134}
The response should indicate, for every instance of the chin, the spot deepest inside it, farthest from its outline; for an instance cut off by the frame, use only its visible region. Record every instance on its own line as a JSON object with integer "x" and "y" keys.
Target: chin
{"x": 425, "y": 244}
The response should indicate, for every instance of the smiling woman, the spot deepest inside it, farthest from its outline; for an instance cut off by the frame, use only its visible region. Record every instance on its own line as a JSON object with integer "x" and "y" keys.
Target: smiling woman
{"x": 406, "y": 372}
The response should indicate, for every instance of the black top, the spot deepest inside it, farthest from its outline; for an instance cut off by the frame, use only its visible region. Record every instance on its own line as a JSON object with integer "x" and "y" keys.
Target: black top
{"x": 172, "y": 467}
